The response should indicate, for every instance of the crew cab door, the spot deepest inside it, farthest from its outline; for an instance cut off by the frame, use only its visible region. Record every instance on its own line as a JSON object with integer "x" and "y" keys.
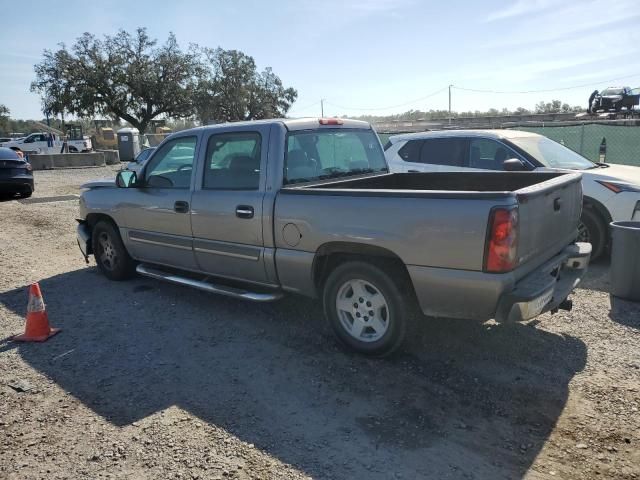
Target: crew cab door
{"x": 226, "y": 215}
{"x": 157, "y": 211}
{"x": 36, "y": 142}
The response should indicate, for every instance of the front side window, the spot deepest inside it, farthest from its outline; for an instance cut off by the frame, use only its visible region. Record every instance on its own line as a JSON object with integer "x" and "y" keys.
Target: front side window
{"x": 233, "y": 161}
{"x": 443, "y": 151}
{"x": 487, "y": 154}
{"x": 172, "y": 165}
{"x": 329, "y": 153}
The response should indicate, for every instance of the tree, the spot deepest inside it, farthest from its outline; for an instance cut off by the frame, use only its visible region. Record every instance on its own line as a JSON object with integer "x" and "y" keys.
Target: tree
{"x": 231, "y": 88}
{"x": 126, "y": 76}
{"x": 4, "y": 118}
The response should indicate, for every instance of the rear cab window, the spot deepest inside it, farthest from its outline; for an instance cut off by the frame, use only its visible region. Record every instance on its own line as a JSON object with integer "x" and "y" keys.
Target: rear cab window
{"x": 328, "y": 153}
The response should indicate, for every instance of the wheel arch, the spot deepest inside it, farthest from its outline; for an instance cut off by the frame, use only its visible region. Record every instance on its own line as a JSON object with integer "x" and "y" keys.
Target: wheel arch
{"x": 330, "y": 255}
{"x": 597, "y": 207}
{"x": 93, "y": 218}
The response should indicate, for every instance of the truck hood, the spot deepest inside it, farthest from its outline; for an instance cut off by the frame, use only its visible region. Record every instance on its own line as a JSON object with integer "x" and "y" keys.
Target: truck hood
{"x": 624, "y": 173}
{"x": 100, "y": 183}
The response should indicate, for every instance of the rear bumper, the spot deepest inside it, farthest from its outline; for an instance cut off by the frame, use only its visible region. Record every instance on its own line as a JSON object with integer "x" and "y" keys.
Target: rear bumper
{"x": 16, "y": 183}
{"x": 482, "y": 296}
{"x": 547, "y": 287}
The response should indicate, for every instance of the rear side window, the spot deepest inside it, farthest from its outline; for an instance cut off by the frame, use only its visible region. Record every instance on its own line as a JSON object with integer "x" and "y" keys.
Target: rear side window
{"x": 233, "y": 161}
{"x": 410, "y": 152}
{"x": 444, "y": 151}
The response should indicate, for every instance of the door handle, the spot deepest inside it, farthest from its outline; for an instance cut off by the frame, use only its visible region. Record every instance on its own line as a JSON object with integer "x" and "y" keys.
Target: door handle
{"x": 557, "y": 204}
{"x": 413, "y": 171}
{"x": 244, "y": 211}
{"x": 181, "y": 206}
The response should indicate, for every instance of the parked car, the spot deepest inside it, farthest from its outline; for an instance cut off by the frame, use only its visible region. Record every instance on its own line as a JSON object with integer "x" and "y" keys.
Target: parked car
{"x": 139, "y": 162}
{"x": 16, "y": 176}
{"x": 257, "y": 209}
{"x": 611, "y": 192}
{"x": 44, "y": 142}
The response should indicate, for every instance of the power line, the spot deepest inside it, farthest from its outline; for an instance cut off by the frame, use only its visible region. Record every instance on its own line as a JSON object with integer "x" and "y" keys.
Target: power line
{"x": 477, "y": 90}
{"x": 295, "y": 108}
{"x": 391, "y": 106}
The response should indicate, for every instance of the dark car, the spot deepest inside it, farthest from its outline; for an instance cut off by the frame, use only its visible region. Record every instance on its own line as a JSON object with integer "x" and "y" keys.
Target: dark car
{"x": 616, "y": 98}
{"x": 16, "y": 175}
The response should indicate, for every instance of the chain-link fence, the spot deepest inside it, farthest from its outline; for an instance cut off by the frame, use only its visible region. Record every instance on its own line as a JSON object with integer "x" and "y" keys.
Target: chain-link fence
{"x": 621, "y": 142}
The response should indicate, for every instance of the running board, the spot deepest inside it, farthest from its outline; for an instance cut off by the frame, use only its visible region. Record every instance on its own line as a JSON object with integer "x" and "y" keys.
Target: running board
{"x": 207, "y": 286}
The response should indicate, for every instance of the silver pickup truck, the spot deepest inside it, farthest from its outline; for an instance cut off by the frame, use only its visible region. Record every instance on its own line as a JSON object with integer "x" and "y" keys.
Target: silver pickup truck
{"x": 256, "y": 209}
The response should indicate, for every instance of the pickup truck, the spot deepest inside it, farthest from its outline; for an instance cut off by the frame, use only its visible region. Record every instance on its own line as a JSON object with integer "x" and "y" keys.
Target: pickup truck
{"x": 254, "y": 210}
{"x": 47, "y": 143}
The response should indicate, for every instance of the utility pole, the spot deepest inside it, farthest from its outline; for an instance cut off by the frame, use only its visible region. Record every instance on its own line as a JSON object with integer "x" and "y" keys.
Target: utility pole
{"x": 322, "y": 107}
{"x": 450, "y": 104}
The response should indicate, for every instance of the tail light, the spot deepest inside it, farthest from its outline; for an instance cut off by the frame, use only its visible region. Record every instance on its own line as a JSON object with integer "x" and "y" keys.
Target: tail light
{"x": 502, "y": 240}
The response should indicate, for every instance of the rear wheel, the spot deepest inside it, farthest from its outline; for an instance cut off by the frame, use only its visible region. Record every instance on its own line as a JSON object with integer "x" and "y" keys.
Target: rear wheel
{"x": 111, "y": 256}
{"x": 366, "y": 310}
{"x": 592, "y": 230}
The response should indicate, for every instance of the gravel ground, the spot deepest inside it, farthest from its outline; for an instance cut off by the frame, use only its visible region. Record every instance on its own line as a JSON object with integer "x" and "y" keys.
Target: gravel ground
{"x": 150, "y": 380}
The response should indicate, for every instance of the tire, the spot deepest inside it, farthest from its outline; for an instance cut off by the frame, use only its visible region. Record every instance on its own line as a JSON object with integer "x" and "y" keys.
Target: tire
{"x": 592, "y": 230}
{"x": 111, "y": 256}
{"x": 362, "y": 288}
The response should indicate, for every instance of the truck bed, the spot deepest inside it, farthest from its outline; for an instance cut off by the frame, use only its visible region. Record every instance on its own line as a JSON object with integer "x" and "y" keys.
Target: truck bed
{"x": 467, "y": 183}
{"x": 446, "y": 225}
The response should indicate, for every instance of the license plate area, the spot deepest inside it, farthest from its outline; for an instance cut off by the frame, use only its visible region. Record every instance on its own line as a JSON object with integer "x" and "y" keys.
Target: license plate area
{"x": 534, "y": 307}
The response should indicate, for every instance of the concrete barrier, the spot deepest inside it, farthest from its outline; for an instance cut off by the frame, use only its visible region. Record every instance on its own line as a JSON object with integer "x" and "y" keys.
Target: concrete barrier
{"x": 111, "y": 157}
{"x": 67, "y": 160}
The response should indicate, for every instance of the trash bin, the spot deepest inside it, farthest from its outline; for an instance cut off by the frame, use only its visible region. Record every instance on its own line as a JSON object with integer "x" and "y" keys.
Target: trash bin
{"x": 625, "y": 260}
{"x": 128, "y": 144}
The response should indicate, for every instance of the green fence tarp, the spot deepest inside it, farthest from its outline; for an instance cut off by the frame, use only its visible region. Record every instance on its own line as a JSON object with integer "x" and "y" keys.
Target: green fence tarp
{"x": 623, "y": 142}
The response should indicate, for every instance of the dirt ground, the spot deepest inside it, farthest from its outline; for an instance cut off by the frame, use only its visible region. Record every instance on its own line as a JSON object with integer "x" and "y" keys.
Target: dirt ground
{"x": 151, "y": 380}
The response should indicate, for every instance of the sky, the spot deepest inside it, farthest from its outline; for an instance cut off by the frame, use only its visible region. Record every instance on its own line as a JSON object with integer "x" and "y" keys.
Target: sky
{"x": 375, "y": 57}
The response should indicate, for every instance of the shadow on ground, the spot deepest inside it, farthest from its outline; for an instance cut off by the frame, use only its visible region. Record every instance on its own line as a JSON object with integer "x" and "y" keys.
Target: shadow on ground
{"x": 625, "y": 312}
{"x": 597, "y": 277}
{"x": 464, "y": 400}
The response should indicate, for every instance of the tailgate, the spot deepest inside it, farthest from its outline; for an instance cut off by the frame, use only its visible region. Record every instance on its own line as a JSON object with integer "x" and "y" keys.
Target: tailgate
{"x": 549, "y": 213}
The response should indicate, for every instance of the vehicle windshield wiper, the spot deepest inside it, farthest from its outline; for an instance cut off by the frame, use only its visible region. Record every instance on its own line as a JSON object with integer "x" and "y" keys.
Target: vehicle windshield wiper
{"x": 598, "y": 165}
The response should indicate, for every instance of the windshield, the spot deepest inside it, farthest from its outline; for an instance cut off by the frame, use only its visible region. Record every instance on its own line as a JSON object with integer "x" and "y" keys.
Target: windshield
{"x": 552, "y": 154}
{"x": 612, "y": 91}
{"x": 328, "y": 153}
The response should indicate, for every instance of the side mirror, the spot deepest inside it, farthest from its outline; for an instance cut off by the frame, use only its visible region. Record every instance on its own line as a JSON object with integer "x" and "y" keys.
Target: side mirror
{"x": 513, "y": 165}
{"x": 126, "y": 178}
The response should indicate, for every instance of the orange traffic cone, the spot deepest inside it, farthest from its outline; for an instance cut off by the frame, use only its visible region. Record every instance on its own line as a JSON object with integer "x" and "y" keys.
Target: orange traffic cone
{"x": 37, "y": 328}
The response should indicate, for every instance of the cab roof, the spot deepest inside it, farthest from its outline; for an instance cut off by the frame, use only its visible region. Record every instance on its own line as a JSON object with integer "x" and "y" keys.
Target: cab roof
{"x": 291, "y": 124}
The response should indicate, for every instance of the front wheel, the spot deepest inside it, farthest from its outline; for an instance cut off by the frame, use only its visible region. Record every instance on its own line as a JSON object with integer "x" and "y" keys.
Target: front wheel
{"x": 366, "y": 310}
{"x": 111, "y": 256}
{"x": 592, "y": 230}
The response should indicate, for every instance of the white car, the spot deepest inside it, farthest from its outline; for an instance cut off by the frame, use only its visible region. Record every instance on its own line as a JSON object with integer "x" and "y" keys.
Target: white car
{"x": 43, "y": 142}
{"x": 611, "y": 192}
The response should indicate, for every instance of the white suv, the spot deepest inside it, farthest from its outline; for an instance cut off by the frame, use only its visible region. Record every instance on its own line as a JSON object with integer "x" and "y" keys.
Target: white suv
{"x": 611, "y": 192}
